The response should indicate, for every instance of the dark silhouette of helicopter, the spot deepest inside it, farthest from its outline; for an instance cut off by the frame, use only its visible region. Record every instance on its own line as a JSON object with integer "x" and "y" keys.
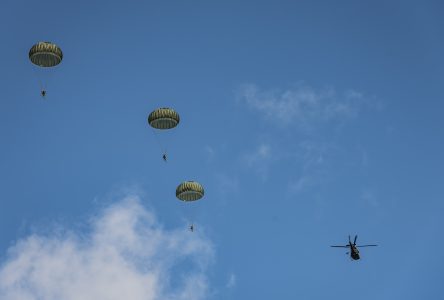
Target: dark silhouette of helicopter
{"x": 354, "y": 252}
{"x": 192, "y": 227}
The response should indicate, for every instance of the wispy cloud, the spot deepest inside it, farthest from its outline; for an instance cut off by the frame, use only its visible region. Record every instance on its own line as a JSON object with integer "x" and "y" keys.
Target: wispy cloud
{"x": 261, "y": 153}
{"x": 231, "y": 282}
{"x": 302, "y": 105}
{"x": 226, "y": 184}
{"x": 305, "y": 110}
{"x": 125, "y": 255}
{"x": 209, "y": 152}
{"x": 369, "y": 197}
{"x": 300, "y": 184}
{"x": 259, "y": 159}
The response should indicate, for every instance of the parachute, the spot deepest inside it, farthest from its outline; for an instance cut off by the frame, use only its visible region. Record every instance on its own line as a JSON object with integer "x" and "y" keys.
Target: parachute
{"x": 45, "y": 54}
{"x": 163, "y": 118}
{"x": 189, "y": 191}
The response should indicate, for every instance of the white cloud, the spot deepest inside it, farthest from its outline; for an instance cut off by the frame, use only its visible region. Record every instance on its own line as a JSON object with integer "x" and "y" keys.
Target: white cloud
{"x": 125, "y": 255}
{"x": 302, "y": 105}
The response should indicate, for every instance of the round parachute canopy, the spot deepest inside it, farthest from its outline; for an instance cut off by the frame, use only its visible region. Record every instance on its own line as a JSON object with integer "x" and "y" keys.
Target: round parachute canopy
{"x": 45, "y": 54}
{"x": 189, "y": 191}
{"x": 163, "y": 118}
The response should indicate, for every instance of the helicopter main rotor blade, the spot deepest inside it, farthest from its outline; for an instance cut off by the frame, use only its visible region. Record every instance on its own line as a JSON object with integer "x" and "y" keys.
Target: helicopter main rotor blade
{"x": 367, "y": 246}
{"x": 341, "y": 246}
{"x": 356, "y": 237}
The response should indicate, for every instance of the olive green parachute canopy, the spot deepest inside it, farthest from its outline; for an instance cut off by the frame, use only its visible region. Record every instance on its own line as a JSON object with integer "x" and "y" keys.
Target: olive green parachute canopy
{"x": 163, "y": 118}
{"x": 189, "y": 191}
{"x": 45, "y": 54}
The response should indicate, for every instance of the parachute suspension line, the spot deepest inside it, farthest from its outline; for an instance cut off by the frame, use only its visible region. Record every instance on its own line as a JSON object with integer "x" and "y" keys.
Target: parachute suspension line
{"x": 188, "y": 211}
{"x": 192, "y": 212}
{"x": 191, "y": 219}
{"x": 43, "y": 88}
{"x": 156, "y": 137}
{"x": 39, "y": 78}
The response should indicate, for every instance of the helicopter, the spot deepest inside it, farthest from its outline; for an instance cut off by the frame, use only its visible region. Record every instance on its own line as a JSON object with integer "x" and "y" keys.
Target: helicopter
{"x": 354, "y": 252}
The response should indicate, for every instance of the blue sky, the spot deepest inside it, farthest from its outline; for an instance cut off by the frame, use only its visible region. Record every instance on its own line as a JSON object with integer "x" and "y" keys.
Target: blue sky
{"x": 305, "y": 122}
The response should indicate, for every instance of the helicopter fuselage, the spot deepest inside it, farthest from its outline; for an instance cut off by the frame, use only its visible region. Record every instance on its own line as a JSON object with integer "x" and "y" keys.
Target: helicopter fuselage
{"x": 354, "y": 252}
